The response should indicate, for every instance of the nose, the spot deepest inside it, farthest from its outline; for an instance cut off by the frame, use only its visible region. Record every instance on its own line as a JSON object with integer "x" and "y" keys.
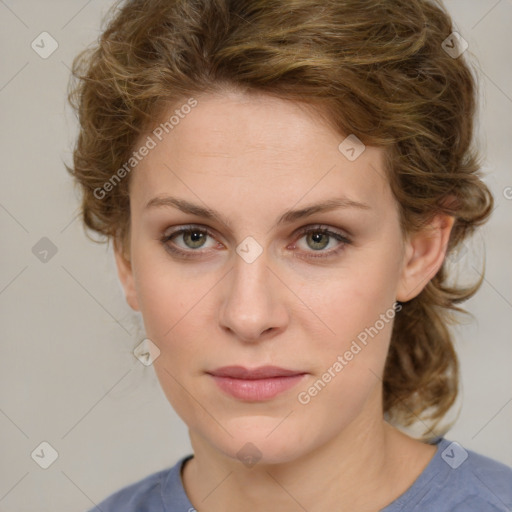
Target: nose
{"x": 254, "y": 305}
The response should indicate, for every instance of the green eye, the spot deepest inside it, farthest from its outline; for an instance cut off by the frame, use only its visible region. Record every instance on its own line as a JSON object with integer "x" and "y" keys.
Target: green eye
{"x": 195, "y": 237}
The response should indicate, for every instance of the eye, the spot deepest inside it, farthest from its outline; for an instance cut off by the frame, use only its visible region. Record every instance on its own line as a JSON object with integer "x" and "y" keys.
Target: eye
{"x": 317, "y": 239}
{"x": 193, "y": 237}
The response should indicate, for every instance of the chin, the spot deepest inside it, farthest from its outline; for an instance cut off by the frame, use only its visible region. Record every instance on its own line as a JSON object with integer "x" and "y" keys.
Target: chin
{"x": 254, "y": 443}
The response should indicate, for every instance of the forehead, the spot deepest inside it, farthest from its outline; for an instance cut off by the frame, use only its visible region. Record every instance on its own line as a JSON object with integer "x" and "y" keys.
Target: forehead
{"x": 260, "y": 146}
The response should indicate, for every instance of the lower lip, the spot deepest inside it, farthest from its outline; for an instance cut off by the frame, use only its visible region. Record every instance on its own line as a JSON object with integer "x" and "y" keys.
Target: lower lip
{"x": 258, "y": 389}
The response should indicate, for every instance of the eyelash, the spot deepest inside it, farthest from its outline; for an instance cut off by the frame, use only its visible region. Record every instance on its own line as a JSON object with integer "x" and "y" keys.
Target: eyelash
{"x": 305, "y": 231}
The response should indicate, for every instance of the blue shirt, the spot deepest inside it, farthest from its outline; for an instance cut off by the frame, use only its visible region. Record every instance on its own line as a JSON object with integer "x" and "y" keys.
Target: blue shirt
{"x": 455, "y": 480}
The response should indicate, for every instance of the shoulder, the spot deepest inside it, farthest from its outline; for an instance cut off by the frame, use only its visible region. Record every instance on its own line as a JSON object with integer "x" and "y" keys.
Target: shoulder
{"x": 145, "y": 495}
{"x": 470, "y": 481}
{"x": 458, "y": 480}
{"x": 490, "y": 479}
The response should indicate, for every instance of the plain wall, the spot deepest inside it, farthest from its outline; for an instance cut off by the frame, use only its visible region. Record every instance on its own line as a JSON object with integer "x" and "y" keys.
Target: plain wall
{"x": 67, "y": 372}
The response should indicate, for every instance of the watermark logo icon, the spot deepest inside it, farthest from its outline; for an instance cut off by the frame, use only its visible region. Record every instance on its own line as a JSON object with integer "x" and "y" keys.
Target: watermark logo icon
{"x": 44, "y": 250}
{"x": 44, "y": 45}
{"x": 454, "y": 455}
{"x": 454, "y": 45}
{"x": 44, "y": 455}
{"x": 249, "y": 249}
{"x": 249, "y": 454}
{"x": 146, "y": 352}
{"x": 351, "y": 148}
{"x": 458, "y": 253}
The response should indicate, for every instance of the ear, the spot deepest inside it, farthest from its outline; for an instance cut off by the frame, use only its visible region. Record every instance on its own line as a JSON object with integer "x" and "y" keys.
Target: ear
{"x": 423, "y": 256}
{"x": 125, "y": 273}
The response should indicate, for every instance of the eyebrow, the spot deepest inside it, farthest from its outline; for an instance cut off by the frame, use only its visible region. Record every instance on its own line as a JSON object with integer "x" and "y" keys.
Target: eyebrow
{"x": 286, "y": 218}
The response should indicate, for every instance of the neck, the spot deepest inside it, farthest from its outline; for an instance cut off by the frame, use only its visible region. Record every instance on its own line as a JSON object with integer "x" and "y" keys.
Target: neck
{"x": 347, "y": 472}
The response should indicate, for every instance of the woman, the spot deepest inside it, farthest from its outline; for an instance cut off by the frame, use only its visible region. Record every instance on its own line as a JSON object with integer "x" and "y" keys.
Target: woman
{"x": 283, "y": 182}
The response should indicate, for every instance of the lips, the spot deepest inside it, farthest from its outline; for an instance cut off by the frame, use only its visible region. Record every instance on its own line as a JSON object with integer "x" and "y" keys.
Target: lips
{"x": 257, "y": 384}
{"x": 263, "y": 372}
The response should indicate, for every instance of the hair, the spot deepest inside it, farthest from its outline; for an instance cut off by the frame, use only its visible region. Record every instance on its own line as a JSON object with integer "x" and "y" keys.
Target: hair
{"x": 376, "y": 69}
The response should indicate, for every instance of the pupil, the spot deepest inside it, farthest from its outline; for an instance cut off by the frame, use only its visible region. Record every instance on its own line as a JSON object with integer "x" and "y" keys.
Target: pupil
{"x": 316, "y": 238}
{"x": 195, "y": 237}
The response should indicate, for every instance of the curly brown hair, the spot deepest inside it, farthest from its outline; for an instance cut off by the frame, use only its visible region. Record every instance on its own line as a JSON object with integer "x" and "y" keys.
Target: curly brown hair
{"x": 376, "y": 69}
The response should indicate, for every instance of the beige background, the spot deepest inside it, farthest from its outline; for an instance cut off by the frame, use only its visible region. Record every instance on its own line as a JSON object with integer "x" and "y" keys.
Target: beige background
{"x": 67, "y": 372}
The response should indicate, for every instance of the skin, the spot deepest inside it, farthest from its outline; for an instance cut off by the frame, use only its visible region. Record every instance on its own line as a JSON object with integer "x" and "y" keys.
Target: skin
{"x": 251, "y": 157}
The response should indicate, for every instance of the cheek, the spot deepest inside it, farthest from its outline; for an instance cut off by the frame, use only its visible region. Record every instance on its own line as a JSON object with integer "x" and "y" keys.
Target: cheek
{"x": 348, "y": 365}
{"x": 357, "y": 316}
{"x": 348, "y": 301}
{"x": 170, "y": 308}
{"x": 170, "y": 304}
{"x": 167, "y": 296}
{"x": 173, "y": 306}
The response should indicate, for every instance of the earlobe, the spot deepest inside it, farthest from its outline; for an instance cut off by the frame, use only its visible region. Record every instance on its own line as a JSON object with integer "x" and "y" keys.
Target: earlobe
{"x": 423, "y": 256}
{"x": 125, "y": 273}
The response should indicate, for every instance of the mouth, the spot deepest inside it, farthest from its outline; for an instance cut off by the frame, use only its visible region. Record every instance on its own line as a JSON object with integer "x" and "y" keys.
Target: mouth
{"x": 255, "y": 385}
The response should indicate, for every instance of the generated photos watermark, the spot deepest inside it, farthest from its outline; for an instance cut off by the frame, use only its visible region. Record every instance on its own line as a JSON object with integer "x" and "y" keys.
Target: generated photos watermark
{"x": 150, "y": 143}
{"x": 305, "y": 397}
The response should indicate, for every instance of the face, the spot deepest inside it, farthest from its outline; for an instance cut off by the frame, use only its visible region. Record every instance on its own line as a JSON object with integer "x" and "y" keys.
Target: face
{"x": 254, "y": 287}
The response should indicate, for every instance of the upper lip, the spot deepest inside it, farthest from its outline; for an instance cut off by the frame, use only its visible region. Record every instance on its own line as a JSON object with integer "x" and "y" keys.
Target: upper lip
{"x": 262, "y": 372}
